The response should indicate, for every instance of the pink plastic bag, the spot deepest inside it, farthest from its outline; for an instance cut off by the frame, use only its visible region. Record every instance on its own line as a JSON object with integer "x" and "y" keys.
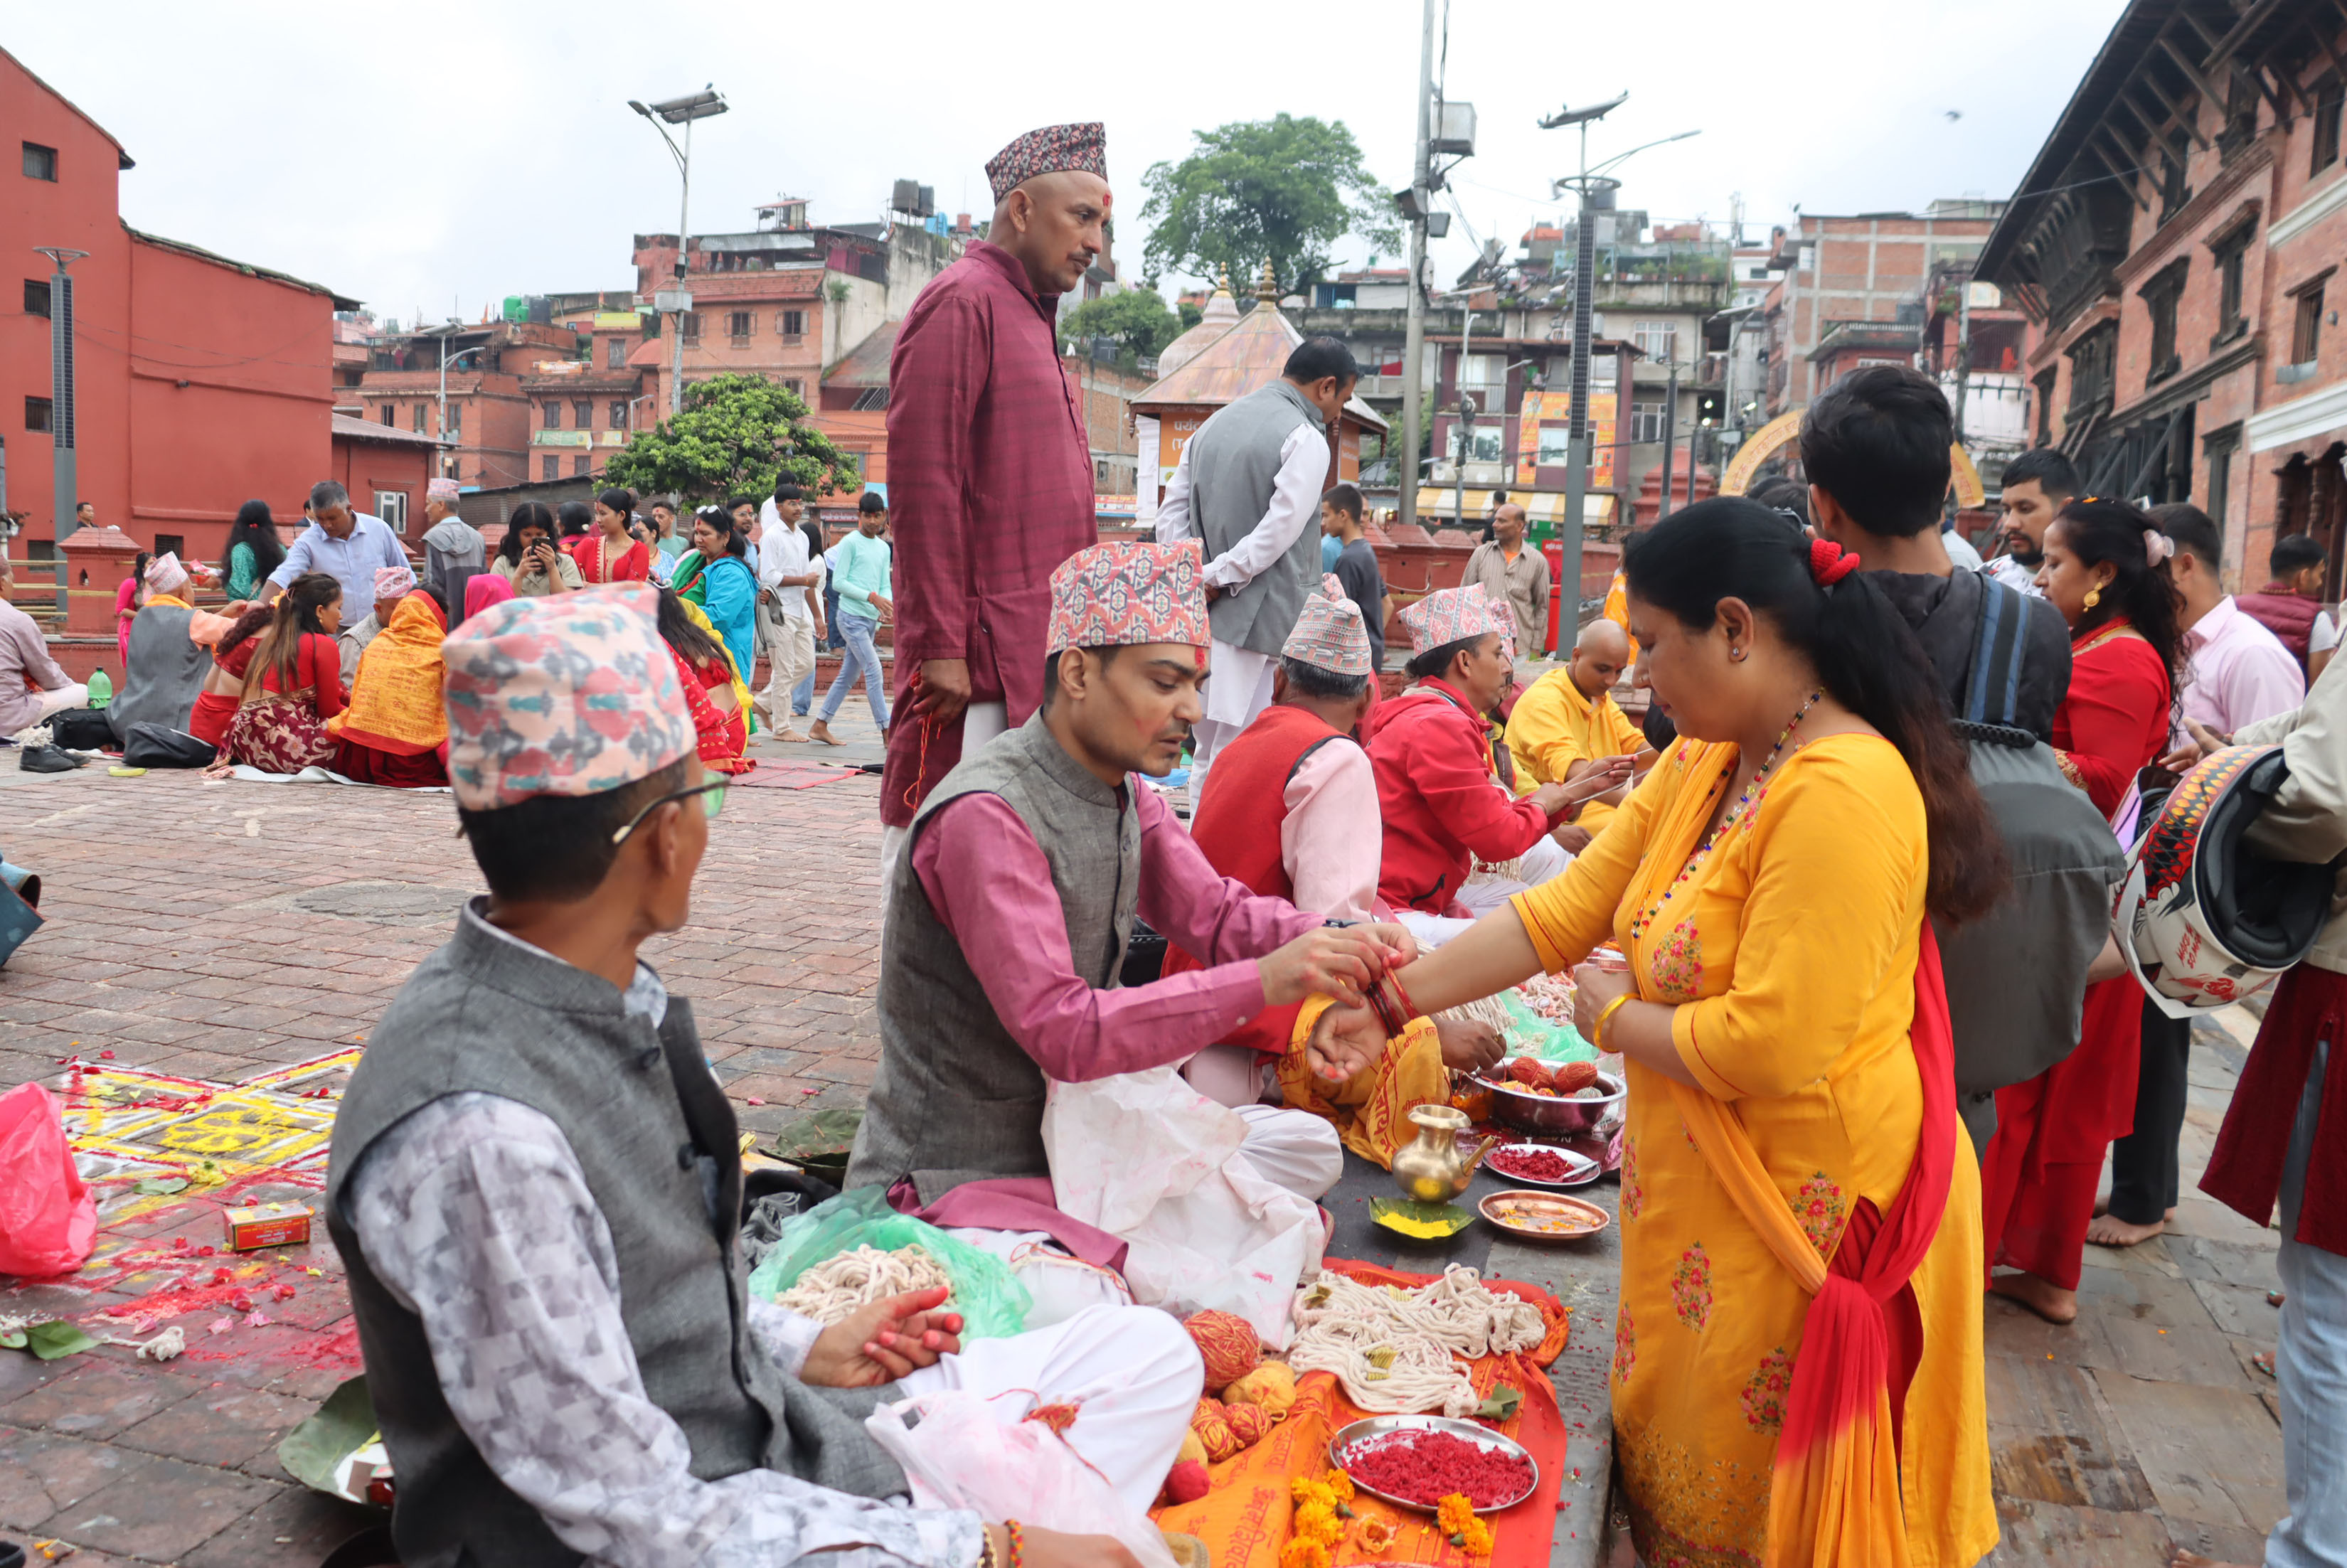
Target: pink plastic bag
{"x": 47, "y": 1217}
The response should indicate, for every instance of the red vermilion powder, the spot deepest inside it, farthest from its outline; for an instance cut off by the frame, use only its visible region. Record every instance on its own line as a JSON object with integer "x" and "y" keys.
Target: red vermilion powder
{"x": 1538, "y": 1165}
{"x": 1426, "y": 1467}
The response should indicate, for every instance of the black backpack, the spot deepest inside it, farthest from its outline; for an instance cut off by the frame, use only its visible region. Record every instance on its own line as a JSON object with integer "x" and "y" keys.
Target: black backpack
{"x": 2017, "y": 977}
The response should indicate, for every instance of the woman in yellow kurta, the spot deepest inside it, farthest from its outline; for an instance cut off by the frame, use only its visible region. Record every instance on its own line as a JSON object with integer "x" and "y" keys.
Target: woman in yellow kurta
{"x": 1769, "y": 882}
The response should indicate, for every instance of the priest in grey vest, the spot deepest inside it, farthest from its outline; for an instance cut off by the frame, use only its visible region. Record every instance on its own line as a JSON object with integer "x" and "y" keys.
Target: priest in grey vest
{"x": 1248, "y": 487}
{"x": 1009, "y": 914}
{"x": 536, "y": 1189}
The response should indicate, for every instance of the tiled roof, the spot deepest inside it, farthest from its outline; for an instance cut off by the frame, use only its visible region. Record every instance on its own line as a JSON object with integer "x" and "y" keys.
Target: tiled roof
{"x": 1249, "y": 356}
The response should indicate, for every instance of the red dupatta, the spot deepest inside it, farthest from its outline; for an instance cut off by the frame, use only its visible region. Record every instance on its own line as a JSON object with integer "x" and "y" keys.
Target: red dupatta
{"x": 1834, "y": 1499}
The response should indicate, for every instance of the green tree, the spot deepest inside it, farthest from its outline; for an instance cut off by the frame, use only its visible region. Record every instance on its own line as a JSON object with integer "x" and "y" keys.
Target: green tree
{"x": 1285, "y": 188}
{"x": 737, "y": 435}
{"x": 1138, "y": 319}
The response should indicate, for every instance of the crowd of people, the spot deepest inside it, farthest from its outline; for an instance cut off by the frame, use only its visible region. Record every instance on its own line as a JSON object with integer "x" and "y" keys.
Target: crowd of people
{"x": 1878, "y": 1034}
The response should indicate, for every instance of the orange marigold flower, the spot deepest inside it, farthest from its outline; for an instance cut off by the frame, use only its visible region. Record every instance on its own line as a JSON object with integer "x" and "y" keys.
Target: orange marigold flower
{"x": 1303, "y": 1553}
{"x": 1454, "y": 1513}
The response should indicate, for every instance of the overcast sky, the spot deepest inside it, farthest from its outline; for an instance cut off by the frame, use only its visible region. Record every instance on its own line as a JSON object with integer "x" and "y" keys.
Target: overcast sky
{"x": 438, "y": 157}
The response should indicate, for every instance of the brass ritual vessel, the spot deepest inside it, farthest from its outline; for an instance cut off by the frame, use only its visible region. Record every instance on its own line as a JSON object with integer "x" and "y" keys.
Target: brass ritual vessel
{"x": 1433, "y": 1169}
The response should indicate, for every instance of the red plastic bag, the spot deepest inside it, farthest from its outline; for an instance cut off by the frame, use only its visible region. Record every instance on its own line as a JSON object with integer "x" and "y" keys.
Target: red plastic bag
{"x": 47, "y": 1217}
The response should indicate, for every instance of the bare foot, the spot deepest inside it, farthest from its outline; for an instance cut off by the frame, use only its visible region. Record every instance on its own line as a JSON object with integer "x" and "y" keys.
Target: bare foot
{"x": 792, "y": 735}
{"x": 2049, "y": 1301}
{"x": 822, "y": 732}
{"x": 2109, "y": 1230}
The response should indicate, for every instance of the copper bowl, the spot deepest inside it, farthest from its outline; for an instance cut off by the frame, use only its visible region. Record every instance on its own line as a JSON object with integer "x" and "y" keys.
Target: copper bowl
{"x": 1544, "y": 1114}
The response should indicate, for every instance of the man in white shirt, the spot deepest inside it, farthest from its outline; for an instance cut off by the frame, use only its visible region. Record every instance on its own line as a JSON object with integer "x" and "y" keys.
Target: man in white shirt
{"x": 1249, "y": 488}
{"x": 787, "y": 580}
{"x": 2037, "y": 484}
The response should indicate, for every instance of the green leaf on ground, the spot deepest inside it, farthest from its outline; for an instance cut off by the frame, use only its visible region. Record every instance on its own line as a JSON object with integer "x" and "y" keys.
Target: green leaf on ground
{"x": 13, "y": 1340}
{"x": 51, "y": 1340}
{"x": 161, "y": 1186}
{"x": 311, "y": 1451}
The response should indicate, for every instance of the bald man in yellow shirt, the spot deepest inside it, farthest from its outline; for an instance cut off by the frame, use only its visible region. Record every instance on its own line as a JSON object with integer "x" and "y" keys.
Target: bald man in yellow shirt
{"x": 1568, "y": 719}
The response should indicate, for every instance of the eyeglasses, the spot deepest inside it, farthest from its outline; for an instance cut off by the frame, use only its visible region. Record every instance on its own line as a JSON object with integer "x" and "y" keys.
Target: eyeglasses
{"x": 712, "y": 801}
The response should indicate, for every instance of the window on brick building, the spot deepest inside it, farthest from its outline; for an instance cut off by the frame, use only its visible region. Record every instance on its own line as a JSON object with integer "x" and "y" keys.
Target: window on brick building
{"x": 1646, "y": 422}
{"x": 2231, "y": 251}
{"x": 796, "y": 387}
{"x": 391, "y": 505}
{"x": 455, "y": 419}
{"x": 2160, "y": 296}
{"x": 391, "y": 414}
{"x": 2306, "y": 330}
{"x": 582, "y": 414}
{"x": 579, "y": 467}
{"x": 615, "y": 353}
{"x": 791, "y": 324}
{"x": 40, "y": 162}
{"x": 618, "y": 414}
{"x": 37, "y": 414}
{"x": 1656, "y": 340}
{"x": 421, "y": 410}
{"x": 690, "y": 325}
{"x": 2329, "y": 99}
{"x": 549, "y": 467}
{"x": 553, "y": 414}
{"x": 2175, "y": 160}
{"x": 2216, "y": 466}
{"x": 36, "y": 296}
{"x": 737, "y": 325}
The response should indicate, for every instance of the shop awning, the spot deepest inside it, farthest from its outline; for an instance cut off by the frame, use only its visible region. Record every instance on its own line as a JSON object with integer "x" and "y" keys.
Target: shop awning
{"x": 1540, "y": 505}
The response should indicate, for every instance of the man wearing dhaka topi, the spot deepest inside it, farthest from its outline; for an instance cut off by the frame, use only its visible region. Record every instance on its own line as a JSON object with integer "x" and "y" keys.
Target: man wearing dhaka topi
{"x": 990, "y": 466}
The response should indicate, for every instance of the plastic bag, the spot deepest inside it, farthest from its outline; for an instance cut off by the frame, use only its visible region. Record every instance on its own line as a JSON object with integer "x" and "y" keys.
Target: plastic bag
{"x": 963, "y": 1455}
{"x": 992, "y": 1303}
{"x": 47, "y": 1217}
{"x": 1145, "y": 1157}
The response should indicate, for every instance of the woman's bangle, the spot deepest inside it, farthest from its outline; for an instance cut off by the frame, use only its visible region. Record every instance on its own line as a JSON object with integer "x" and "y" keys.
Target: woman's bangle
{"x": 1606, "y": 1016}
{"x": 1409, "y": 1008}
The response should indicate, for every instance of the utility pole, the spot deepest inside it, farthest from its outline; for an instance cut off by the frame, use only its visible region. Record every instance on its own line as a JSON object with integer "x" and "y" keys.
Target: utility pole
{"x": 1466, "y": 425}
{"x": 679, "y": 300}
{"x": 1585, "y": 262}
{"x": 1413, "y": 351}
{"x": 1670, "y": 441}
{"x": 63, "y": 445}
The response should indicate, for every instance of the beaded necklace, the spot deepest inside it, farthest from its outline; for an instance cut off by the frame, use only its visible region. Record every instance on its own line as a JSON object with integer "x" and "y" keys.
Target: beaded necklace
{"x": 1745, "y": 804}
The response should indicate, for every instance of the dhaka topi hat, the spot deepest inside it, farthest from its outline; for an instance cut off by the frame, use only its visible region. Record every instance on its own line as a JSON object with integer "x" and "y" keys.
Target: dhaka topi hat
{"x": 165, "y": 574}
{"x": 568, "y": 694}
{"x": 1455, "y": 614}
{"x": 393, "y": 582}
{"x": 1119, "y": 595}
{"x": 442, "y": 489}
{"x": 1329, "y": 633}
{"x": 1055, "y": 148}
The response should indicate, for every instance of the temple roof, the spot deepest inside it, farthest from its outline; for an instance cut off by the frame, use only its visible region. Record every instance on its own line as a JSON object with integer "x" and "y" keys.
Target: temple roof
{"x": 1245, "y": 355}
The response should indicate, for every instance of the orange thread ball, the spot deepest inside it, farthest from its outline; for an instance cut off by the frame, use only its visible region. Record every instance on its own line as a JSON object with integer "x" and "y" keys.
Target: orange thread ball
{"x": 1212, "y": 1424}
{"x": 1252, "y": 1423}
{"x": 1229, "y": 1345}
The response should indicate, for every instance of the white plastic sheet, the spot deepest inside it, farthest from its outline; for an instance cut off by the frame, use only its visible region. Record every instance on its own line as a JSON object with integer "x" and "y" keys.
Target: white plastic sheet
{"x": 1145, "y": 1157}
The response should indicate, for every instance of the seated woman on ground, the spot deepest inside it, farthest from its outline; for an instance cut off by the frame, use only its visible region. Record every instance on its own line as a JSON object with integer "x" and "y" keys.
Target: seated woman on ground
{"x": 223, "y": 688}
{"x": 395, "y": 731}
{"x": 712, "y": 692}
{"x": 293, "y": 683}
{"x": 529, "y": 557}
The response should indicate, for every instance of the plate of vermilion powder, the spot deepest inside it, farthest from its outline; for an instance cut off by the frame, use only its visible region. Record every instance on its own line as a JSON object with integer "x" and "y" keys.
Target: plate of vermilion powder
{"x": 1541, "y": 1165}
{"x": 1418, "y": 1460}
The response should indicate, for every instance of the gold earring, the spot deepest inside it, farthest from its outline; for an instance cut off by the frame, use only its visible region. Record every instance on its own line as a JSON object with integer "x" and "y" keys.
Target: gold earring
{"x": 2093, "y": 597}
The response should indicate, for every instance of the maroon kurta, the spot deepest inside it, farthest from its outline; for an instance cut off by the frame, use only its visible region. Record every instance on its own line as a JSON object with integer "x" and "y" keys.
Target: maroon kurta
{"x": 991, "y": 488}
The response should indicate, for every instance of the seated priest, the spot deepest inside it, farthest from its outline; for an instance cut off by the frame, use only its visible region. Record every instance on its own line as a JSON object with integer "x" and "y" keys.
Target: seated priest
{"x": 1438, "y": 792}
{"x": 536, "y": 1190}
{"x": 1291, "y": 811}
{"x": 169, "y": 650}
{"x": 1567, "y": 720}
{"x": 1008, "y": 914}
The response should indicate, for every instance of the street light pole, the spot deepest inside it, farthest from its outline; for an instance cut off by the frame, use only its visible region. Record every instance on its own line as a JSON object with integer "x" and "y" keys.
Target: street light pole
{"x": 62, "y": 421}
{"x": 1413, "y": 351}
{"x": 680, "y": 111}
{"x": 1670, "y": 436}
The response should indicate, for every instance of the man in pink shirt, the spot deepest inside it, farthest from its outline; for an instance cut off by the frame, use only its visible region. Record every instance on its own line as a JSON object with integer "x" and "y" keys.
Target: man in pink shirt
{"x": 1009, "y": 912}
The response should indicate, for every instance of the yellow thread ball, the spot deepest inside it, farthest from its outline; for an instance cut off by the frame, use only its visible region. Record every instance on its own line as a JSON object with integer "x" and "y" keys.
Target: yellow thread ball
{"x": 1271, "y": 1386}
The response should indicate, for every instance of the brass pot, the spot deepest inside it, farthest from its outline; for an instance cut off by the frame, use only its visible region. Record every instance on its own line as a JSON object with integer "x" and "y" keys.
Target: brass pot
{"x": 1431, "y": 1170}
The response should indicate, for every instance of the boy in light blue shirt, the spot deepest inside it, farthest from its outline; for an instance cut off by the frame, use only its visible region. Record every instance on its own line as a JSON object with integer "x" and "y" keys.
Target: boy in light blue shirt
{"x": 859, "y": 572}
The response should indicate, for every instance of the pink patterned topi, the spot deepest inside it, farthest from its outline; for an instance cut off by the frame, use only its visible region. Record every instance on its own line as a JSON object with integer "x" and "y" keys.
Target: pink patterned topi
{"x": 442, "y": 489}
{"x": 1456, "y": 614}
{"x": 1329, "y": 632}
{"x": 1082, "y": 148}
{"x": 572, "y": 694}
{"x": 1115, "y": 595}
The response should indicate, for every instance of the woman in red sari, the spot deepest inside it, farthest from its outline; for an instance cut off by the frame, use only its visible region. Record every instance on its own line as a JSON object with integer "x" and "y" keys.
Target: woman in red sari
{"x": 712, "y": 690}
{"x": 2107, "y": 571}
{"x": 605, "y": 553}
{"x": 293, "y": 684}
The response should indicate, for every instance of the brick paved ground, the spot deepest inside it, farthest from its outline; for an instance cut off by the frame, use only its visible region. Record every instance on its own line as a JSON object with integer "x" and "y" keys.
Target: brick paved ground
{"x": 219, "y": 931}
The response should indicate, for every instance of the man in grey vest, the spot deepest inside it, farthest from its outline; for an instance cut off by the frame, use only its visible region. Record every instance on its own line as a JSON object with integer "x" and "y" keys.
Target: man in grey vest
{"x": 1248, "y": 486}
{"x": 536, "y": 1190}
{"x": 1007, "y": 918}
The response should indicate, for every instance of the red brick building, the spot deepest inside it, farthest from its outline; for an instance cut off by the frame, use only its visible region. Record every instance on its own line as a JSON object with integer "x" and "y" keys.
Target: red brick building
{"x": 385, "y": 472}
{"x": 491, "y": 419}
{"x": 2175, "y": 242}
{"x": 200, "y": 381}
